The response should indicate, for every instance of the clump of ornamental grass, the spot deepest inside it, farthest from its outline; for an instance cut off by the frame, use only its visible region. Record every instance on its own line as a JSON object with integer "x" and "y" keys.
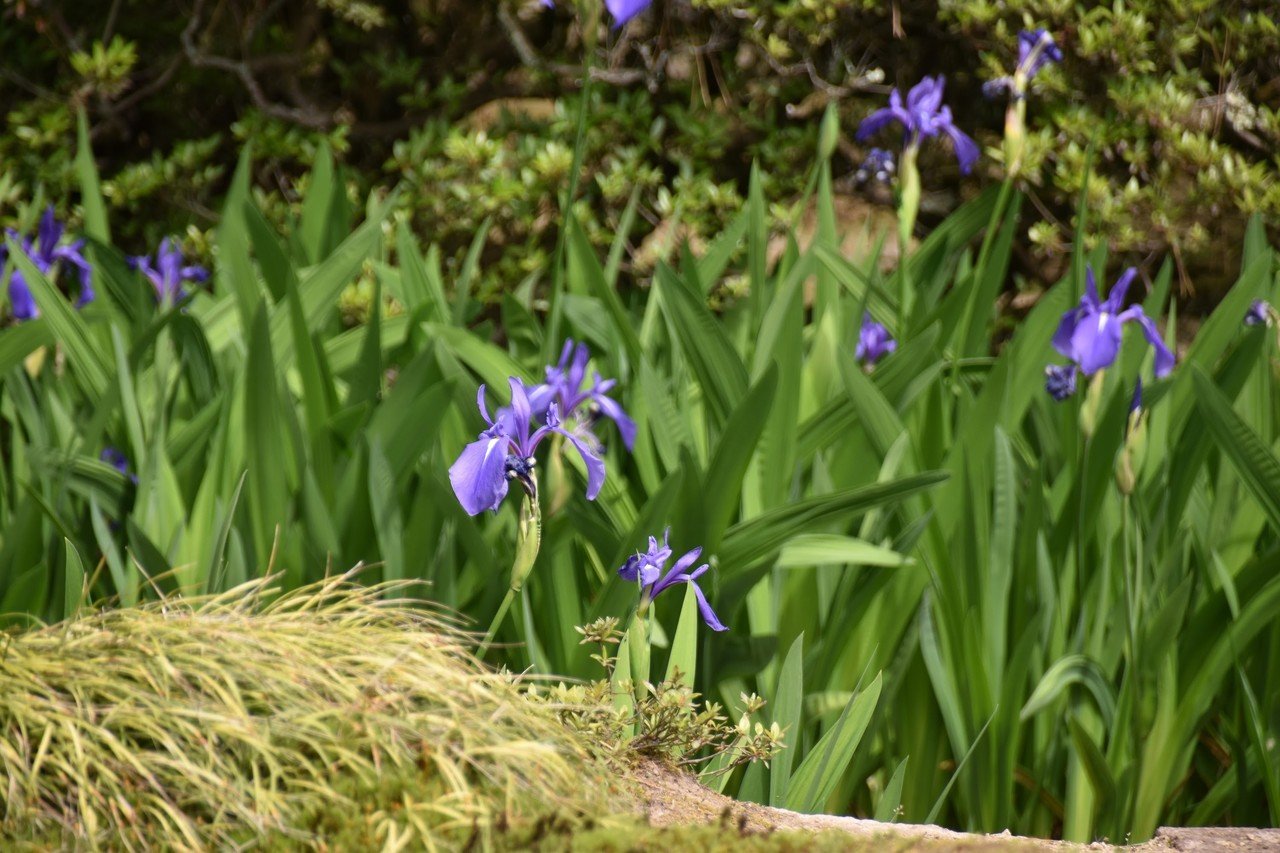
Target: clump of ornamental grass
{"x": 333, "y": 710}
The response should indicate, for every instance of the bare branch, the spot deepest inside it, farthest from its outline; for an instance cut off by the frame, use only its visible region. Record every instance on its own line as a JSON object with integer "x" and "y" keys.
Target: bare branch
{"x": 312, "y": 118}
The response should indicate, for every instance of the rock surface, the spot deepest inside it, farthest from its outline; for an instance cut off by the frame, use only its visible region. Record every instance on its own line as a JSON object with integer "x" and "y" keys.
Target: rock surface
{"x": 674, "y": 798}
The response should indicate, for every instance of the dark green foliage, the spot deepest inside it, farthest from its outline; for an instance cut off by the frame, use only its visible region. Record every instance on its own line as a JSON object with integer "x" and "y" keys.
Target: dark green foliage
{"x": 472, "y": 106}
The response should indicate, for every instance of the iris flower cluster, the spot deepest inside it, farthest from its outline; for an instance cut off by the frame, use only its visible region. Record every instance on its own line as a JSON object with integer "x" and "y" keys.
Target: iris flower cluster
{"x": 648, "y": 569}
{"x": 922, "y": 116}
{"x": 167, "y": 272}
{"x": 1036, "y": 49}
{"x": 504, "y": 452}
{"x": 49, "y": 254}
{"x": 878, "y": 166}
{"x": 1090, "y": 335}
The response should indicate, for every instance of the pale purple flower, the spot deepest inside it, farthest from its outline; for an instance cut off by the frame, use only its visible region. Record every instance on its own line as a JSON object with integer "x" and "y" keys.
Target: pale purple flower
{"x": 168, "y": 272}
{"x": 1089, "y": 334}
{"x": 874, "y": 342}
{"x": 45, "y": 253}
{"x": 1060, "y": 380}
{"x": 564, "y": 386}
{"x": 922, "y": 116}
{"x": 504, "y": 452}
{"x": 647, "y": 570}
{"x": 1258, "y": 314}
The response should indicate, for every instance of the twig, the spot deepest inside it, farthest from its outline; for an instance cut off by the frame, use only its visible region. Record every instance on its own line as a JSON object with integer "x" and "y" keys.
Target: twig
{"x": 311, "y": 118}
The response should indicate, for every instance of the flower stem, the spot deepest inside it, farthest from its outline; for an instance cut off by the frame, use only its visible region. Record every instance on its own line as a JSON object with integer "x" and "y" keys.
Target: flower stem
{"x": 528, "y": 541}
{"x": 497, "y": 621}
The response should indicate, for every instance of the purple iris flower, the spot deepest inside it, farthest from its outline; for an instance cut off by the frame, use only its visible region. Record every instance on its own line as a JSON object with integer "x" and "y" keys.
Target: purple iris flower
{"x": 1060, "y": 380}
{"x": 621, "y": 10}
{"x": 564, "y": 386}
{"x": 923, "y": 116}
{"x": 1258, "y": 314}
{"x": 1036, "y": 49}
{"x": 647, "y": 570}
{"x": 504, "y": 452}
{"x": 878, "y": 165}
{"x": 168, "y": 273}
{"x": 45, "y": 252}
{"x": 874, "y": 342}
{"x": 116, "y": 459}
{"x": 1089, "y": 334}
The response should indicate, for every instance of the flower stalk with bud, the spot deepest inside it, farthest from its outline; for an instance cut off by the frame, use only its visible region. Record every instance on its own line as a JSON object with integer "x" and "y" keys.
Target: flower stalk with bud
{"x": 1036, "y": 49}
{"x": 922, "y": 116}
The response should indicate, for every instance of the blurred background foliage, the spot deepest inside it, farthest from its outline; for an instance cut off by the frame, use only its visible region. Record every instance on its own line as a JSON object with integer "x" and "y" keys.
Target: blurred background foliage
{"x": 472, "y": 105}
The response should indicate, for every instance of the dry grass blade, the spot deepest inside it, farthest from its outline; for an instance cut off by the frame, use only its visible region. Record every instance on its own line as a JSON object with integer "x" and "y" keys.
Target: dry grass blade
{"x": 220, "y": 720}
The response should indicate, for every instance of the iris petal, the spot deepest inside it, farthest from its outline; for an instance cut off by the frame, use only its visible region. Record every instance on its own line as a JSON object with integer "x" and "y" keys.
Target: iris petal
{"x": 626, "y": 427}
{"x": 967, "y": 151}
{"x": 595, "y": 465}
{"x": 478, "y": 476}
{"x": 708, "y": 615}
{"x": 1096, "y": 342}
{"x": 1164, "y": 357}
{"x": 877, "y": 120}
{"x": 1115, "y": 299}
{"x": 624, "y": 10}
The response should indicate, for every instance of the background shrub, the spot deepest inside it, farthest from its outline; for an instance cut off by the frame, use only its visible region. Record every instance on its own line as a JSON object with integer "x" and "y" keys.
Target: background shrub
{"x": 470, "y": 104}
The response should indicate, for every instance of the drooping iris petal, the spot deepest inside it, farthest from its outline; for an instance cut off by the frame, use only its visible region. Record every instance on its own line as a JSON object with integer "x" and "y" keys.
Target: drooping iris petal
{"x": 1164, "y": 357}
{"x": 595, "y": 465}
{"x": 967, "y": 151}
{"x": 611, "y": 410}
{"x": 20, "y": 299}
{"x": 674, "y": 573}
{"x": 624, "y": 10}
{"x": 708, "y": 615}
{"x": 479, "y": 476}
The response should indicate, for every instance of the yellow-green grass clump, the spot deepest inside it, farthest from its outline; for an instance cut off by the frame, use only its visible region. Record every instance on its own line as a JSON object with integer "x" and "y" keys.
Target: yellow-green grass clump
{"x": 331, "y": 712}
